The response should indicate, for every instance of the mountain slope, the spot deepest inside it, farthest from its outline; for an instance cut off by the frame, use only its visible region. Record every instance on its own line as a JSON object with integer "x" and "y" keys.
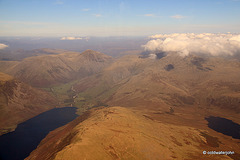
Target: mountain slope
{"x": 184, "y": 95}
{"x": 19, "y": 102}
{"x": 165, "y": 105}
{"x": 192, "y": 80}
{"x": 120, "y": 133}
{"x": 186, "y": 84}
{"x": 47, "y": 70}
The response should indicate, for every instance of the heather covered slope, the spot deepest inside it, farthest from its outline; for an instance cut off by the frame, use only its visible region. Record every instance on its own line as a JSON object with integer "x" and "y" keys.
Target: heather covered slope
{"x": 121, "y": 133}
{"x": 19, "y": 102}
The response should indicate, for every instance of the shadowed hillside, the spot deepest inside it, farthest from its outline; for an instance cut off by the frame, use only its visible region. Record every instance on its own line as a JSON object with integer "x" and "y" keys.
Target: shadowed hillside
{"x": 19, "y": 102}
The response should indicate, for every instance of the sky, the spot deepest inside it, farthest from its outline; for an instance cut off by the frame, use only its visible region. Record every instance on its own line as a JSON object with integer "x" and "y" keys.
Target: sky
{"x": 56, "y": 18}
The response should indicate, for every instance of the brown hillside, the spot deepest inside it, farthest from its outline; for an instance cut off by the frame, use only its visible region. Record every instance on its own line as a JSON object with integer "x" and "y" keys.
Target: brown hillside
{"x": 120, "y": 133}
{"x": 184, "y": 95}
{"x": 164, "y": 110}
{"x": 192, "y": 81}
{"x": 19, "y": 102}
{"x": 46, "y": 70}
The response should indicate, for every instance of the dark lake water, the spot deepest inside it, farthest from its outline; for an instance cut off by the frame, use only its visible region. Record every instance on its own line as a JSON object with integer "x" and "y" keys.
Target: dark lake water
{"x": 19, "y": 144}
{"x": 224, "y": 126}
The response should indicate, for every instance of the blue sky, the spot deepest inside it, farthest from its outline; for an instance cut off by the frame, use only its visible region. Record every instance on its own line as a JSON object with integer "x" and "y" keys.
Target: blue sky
{"x": 117, "y": 17}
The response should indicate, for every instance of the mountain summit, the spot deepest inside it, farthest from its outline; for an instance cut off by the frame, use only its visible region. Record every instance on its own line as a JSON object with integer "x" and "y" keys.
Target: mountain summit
{"x": 95, "y": 56}
{"x": 47, "y": 70}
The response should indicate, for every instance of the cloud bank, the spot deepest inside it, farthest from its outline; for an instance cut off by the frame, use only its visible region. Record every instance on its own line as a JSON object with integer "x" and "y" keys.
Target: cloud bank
{"x": 185, "y": 44}
{"x": 2, "y": 46}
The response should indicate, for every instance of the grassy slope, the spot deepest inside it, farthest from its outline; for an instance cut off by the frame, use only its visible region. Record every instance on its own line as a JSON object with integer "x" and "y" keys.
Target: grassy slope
{"x": 121, "y": 133}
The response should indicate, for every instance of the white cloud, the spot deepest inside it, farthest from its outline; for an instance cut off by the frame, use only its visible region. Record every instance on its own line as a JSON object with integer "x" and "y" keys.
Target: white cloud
{"x": 149, "y": 15}
{"x": 177, "y": 16}
{"x": 97, "y": 15}
{"x": 85, "y": 9}
{"x": 71, "y": 38}
{"x": 152, "y": 56}
{"x": 2, "y": 46}
{"x": 187, "y": 43}
{"x": 236, "y": 38}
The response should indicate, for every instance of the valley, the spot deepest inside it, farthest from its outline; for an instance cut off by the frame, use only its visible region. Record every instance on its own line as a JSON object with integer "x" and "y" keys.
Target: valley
{"x": 120, "y": 80}
{"x": 161, "y": 103}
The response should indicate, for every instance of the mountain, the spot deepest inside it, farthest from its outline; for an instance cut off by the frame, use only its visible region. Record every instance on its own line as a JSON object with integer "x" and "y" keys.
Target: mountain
{"x": 172, "y": 81}
{"x": 47, "y": 70}
{"x": 19, "y": 102}
{"x": 175, "y": 90}
{"x": 121, "y": 133}
{"x": 191, "y": 81}
{"x": 163, "y": 104}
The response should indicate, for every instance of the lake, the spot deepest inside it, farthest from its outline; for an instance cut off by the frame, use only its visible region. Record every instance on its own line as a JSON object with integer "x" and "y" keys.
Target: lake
{"x": 224, "y": 126}
{"x": 19, "y": 144}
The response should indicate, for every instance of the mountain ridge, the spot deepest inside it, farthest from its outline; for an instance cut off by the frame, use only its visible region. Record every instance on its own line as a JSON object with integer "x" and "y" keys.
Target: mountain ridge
{"x": 121, "y": 133}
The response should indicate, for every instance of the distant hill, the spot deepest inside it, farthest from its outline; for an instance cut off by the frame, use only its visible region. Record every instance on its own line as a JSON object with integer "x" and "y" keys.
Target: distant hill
{"x": 46, "y": 70}
{"x": 19, "y": 102}
{"x": 20, "y": 54}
